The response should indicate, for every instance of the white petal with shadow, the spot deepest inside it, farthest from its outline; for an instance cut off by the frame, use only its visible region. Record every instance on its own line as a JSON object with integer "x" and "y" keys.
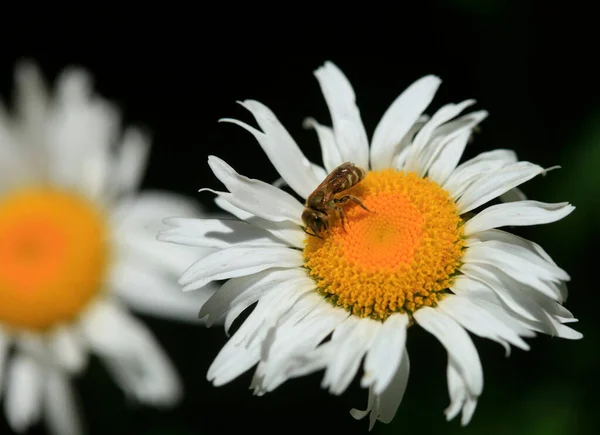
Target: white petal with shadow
{"x": 130, "y": 352}
{"x": 385, "y": 354}
{"x": 255, "y": 196}
{"x": 216, "y": 233}
{"x": 472, "y": 170}
{"x": 461, "y": 350}
{"x": 233, "y": 289}
{"x": 148, "y": 290}
{"x": 461, "y": 399}
{"x": 23, "y": 397}
{"x": 66, "y": 343}
{"x": 447, "y": 146}
{"x": 480, "y": 322}
{"x": 531, "y": 308}
{"x": 495, "y": 183}
{"x": 237, "y": 261}
{"x": 131, "y": 162}
{"x": 520, "y": 213}
{"x": 5, "y": 342}
{"x": 484, "y": 297}
{"x": 345, "y": 351}
{"x": 398, "y": 119}
{"x": 383, "y": 407}
{"x": 348, "y": 128}
{"x": 61, "y": 407}
{"x": 243, "y": 349}
{"x": 287, "y": 231}
{"x": 289, "y": 350}
{"x": 280, "y": 148}
{"x": 423, "y": 139}
{"x": 261, "y": 284}
{"x": 331, "y": 154}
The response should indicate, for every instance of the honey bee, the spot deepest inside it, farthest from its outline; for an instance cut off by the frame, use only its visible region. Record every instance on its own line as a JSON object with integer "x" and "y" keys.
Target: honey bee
{"x": 322, "y": 201}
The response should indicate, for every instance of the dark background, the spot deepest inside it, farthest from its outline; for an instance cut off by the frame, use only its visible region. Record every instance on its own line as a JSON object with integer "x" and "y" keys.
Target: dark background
{"x": 531, "y": 66}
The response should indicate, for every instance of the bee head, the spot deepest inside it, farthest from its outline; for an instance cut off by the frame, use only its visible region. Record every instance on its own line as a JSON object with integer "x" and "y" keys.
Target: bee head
{"x": 315, "y": 220}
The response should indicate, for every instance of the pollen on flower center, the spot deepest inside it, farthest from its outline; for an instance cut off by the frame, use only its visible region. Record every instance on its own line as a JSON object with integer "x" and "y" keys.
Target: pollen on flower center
{"x": 397, "y": 257}
{"x": 53, "y": 256}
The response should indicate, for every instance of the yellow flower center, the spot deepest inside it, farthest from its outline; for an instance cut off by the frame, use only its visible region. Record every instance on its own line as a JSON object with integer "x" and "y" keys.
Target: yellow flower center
{"x": 397, "y": 257}
{"x": 53, "y": 256}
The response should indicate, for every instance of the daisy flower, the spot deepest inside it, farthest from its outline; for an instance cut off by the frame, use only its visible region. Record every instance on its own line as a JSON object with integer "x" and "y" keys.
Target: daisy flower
{"x": 422, "y": 251}
{"x": 77, "y": 247}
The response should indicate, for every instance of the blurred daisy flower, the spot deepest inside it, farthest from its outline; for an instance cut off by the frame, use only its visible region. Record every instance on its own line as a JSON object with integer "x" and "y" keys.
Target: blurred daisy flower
{"x": 414, "y": 247}
{"x": 77, "y": 247}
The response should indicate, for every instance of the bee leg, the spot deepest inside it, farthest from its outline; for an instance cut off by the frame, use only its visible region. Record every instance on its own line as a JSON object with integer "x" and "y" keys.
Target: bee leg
{"x": 356, "y": 200}
{"x": 311, "y": 234}
{"x": 342, "y": 217}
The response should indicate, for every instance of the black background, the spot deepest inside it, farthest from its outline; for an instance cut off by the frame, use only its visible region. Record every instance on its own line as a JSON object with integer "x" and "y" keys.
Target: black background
{"x": 178, "y": 72}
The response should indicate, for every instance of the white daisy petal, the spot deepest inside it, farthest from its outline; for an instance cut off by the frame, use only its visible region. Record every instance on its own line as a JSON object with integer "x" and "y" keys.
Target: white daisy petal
{"x": 495, "y": 183}
{"x": 299, "y": 332}
{"x": 146, "y": 290}
{"x": 79, "y": 119}
{"x": 460, "y": 397}
{"x": 61, "y": 405}
{"x": 402, "y": 148}
{"x": 384, "y": 357}
{"x": 459, "y": 346}
{"x": 529, "y": 308}
{"x": 216, "y": 233}
{"x": 237, "y": 261}
{"x": 415, "y": 161}
{"x": 131, "y": 353}
{"x": 447, "y": 159}
{"x": 472, "y": 170}
{"x": 392, "y": 397}
{"x": 451, "y": 140}
{"x": 132, "y": 160}
{"x": 218, "y": 304}
{"x": 480, "y": 322}
{"x": 15, "y": 170}
{"x": 272, "y": 309}
{"x": 514, "y": 194}
{"x": 350, "y": 134}
{"x": 521, "y": 213}
{"x": 271, "y": 347}
{"x": 555, "y": 290}
{"x": 402, "y": 114}
{"x": 4, "y": 347}
{"x": 68, "y": 348}
{"x": 281, "y": 149}
{"x": 346, "y": 349}
{"x": 519, "y": 303}
{"x": 248, "y": 338}
{"x": 256, "y": 286}
{"x": 384, "y": 407}
{"x": 23, "y": 400}
{"x": 254, "y": 196}
{"x": 332, "y": 157}
{"x": 135, "y": 224}
{"x": 287, "y": 231}
{"x": 504, "y": 237}
{"x": 479, "y": 294}
{"x": 32, "y": 101}
{"x": 526, "y": 266}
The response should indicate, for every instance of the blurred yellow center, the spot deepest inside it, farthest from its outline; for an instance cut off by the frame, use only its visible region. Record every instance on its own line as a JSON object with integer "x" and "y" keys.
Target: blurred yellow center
{"x": 397, "y": 257}
{"x": 53, "y": 256}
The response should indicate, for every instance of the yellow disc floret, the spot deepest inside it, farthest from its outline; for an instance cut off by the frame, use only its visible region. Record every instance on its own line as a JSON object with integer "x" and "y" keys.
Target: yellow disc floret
{"x": 53, "y": 256}
{"x": 397, "y": 257}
